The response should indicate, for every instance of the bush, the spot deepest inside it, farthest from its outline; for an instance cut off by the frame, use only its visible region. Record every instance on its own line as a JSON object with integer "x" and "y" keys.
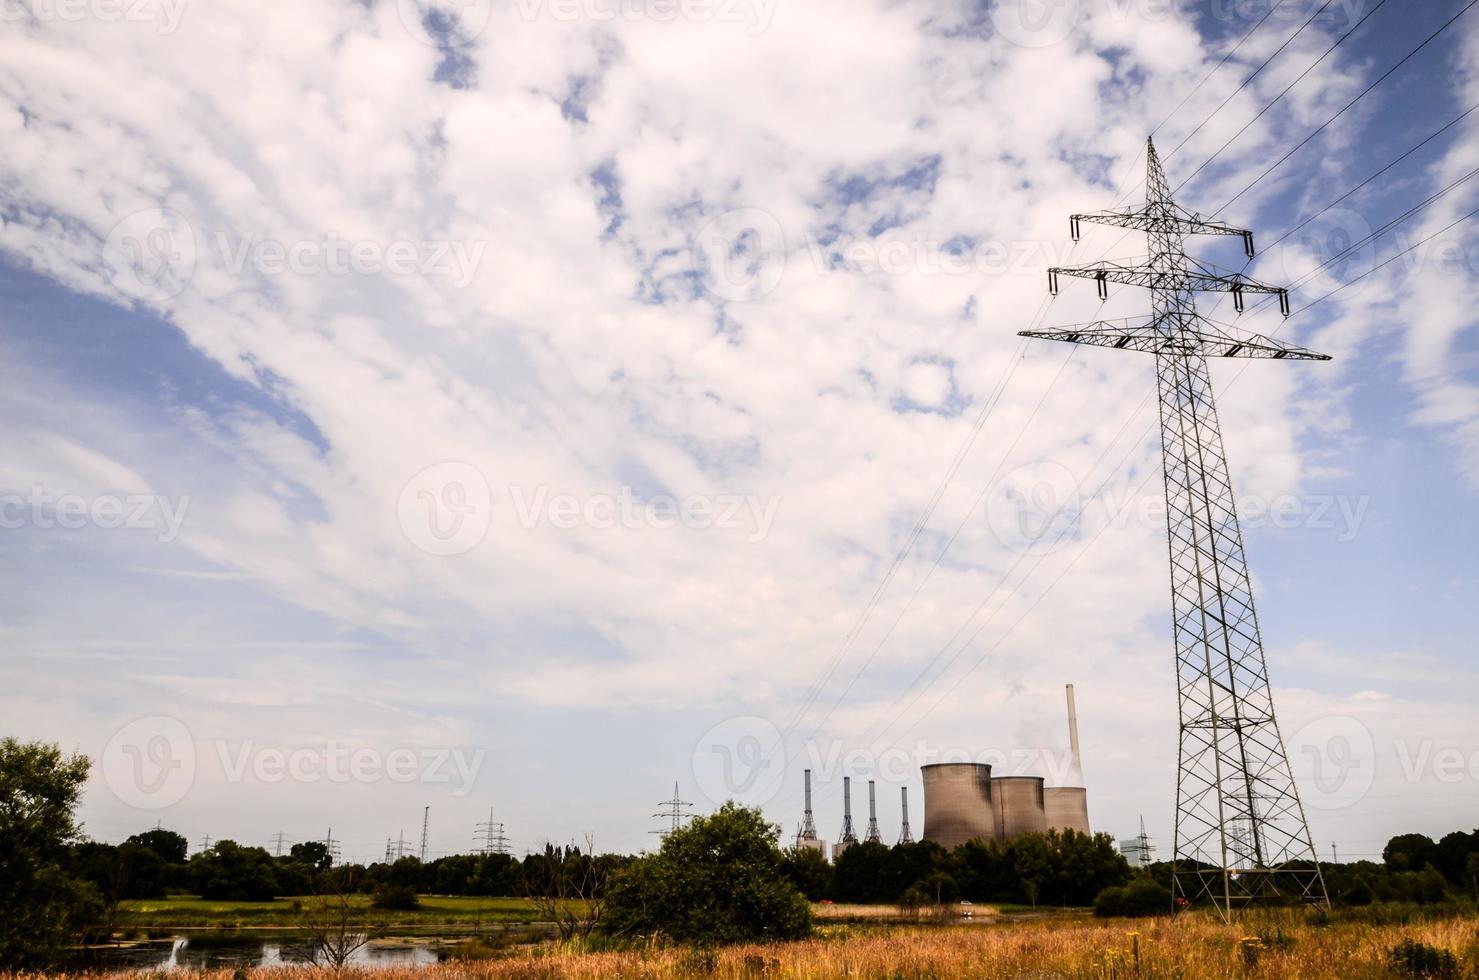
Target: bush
{"x": 1138, "y": 898}
{"x": 721, "y": 879}
{"x": 396, "y": 898}
{"x": 1420, "y": 961}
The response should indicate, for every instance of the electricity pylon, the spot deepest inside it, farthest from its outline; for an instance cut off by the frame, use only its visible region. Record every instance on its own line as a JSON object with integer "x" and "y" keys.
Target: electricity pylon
{"x": 675, "y": 811}
{"x": 1241, "y": 833}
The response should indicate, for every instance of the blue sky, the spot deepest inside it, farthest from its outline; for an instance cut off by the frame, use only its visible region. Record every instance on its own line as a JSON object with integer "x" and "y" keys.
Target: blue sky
{"x": 395, "y": 374}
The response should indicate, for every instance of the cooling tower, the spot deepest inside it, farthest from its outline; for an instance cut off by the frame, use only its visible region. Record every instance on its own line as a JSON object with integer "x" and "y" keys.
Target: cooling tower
{"x": 1018, "y": 805}
{"x": 957, "y": 803}
{"x": 1067, "y": 808}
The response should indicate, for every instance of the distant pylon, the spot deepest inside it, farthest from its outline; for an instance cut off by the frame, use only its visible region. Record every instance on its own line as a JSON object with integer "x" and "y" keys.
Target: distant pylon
{"x": 872, "y": 836}
{"x": 425, "y": 826}
{"x": 848, "y": 836}
{"x": 808, "y": 829}
{"x": 278, "y": 852}
{"x": 1241, "y": 832}
{"x": 674, "y": 811}
{"x": 491, "y": 836}
{"x": 906, "y": 836}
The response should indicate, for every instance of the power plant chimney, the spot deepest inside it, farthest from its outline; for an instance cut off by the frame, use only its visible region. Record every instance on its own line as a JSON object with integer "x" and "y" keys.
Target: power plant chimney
{"x": 849, "y": 837}
{"x": 1078, "y": 763}
{"x": 873, "y": 836}
{"x": 905, "y": 835}
{"x": 808, "y": 831}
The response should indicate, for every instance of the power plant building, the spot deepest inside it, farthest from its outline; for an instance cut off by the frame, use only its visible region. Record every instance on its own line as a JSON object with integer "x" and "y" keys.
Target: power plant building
{"x": 964, "y": 801}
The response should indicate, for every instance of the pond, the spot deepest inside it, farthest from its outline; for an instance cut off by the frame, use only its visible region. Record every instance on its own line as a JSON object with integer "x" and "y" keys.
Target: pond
{"x": 214, "y": 951}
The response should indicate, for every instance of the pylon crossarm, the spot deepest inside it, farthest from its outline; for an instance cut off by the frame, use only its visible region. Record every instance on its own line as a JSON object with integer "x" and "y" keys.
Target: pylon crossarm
{"x": 1192, "y": 276}
{"x": 1202, "y": 337}
{"x": 1161, "y": 217}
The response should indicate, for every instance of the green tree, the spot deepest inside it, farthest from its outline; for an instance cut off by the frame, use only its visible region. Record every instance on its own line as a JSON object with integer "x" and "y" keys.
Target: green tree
{"x": 314, "y": 853}
{"x": 230, "y": 872}
{"x": 809, "y": 871}
{"x": 168, "y": 845}
{"x": 1140, "y": 897}
{"x": 860, "y": 875}
{"x": 1409, "y": 852}
{"x": 42, "y": 907}
{"x": 720, "y": 879}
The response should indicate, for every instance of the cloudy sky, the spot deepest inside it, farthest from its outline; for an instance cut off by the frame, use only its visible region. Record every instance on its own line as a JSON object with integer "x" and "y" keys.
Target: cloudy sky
{"x": 531, "y": 406}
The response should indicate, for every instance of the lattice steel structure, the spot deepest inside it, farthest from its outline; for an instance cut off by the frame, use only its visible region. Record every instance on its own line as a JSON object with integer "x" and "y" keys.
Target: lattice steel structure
{"x": 1241, "y": 833}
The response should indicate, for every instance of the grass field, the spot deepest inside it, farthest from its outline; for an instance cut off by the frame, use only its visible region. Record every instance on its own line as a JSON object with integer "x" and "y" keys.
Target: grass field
{"x": 1056, "y": 948}
{"x": 183, "y": 912}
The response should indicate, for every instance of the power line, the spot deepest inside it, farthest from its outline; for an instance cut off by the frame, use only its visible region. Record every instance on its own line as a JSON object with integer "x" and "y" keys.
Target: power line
{"x": 1198, "y": 87}
{"x": 1411, "y": 150}
{"x": 1328, "y": 51}
{"x": 1300, "y": 145}
{"x": 1288, "y": 41}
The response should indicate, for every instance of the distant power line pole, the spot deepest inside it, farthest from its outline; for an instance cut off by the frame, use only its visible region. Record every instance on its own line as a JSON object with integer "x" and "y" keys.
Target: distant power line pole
{"x": 674, "y": 811}
{"x": 1241, "y": 832}
{"x": 425, "y": 826}
{"x": 205, "y": 843}
{"x": 279, "y": 843}
{"x": 490, "y": 835}
{"x": 331, "y": 846}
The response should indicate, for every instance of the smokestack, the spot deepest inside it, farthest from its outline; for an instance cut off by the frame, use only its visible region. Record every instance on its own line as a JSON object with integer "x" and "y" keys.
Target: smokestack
{"x": 906, "y": 836}
{"x": 808, "y": 826}
{"x": 1078, "y": 764}
{"x": 848, "y": 836}
{"x": 873, "y": 837}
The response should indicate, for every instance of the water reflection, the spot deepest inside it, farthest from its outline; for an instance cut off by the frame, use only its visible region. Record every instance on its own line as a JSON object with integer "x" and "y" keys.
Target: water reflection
{"x": 215, "y": 952}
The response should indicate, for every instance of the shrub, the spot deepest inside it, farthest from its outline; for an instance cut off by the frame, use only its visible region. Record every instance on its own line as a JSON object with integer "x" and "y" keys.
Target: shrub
{"x": 1138, "y": 898}
{"x": 1418, "y": 960}
{"x": 718, "y": 880}
{"x": 396, "y": 898}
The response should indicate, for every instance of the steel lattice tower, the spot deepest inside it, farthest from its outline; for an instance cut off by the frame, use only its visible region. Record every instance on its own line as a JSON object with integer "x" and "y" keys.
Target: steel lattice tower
{"x": 1241, "y": 833}
{"x": 808, "y": 829}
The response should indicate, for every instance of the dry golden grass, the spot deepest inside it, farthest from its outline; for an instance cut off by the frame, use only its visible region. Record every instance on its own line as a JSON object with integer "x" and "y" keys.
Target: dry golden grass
{"x": 1190, "y": 947}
